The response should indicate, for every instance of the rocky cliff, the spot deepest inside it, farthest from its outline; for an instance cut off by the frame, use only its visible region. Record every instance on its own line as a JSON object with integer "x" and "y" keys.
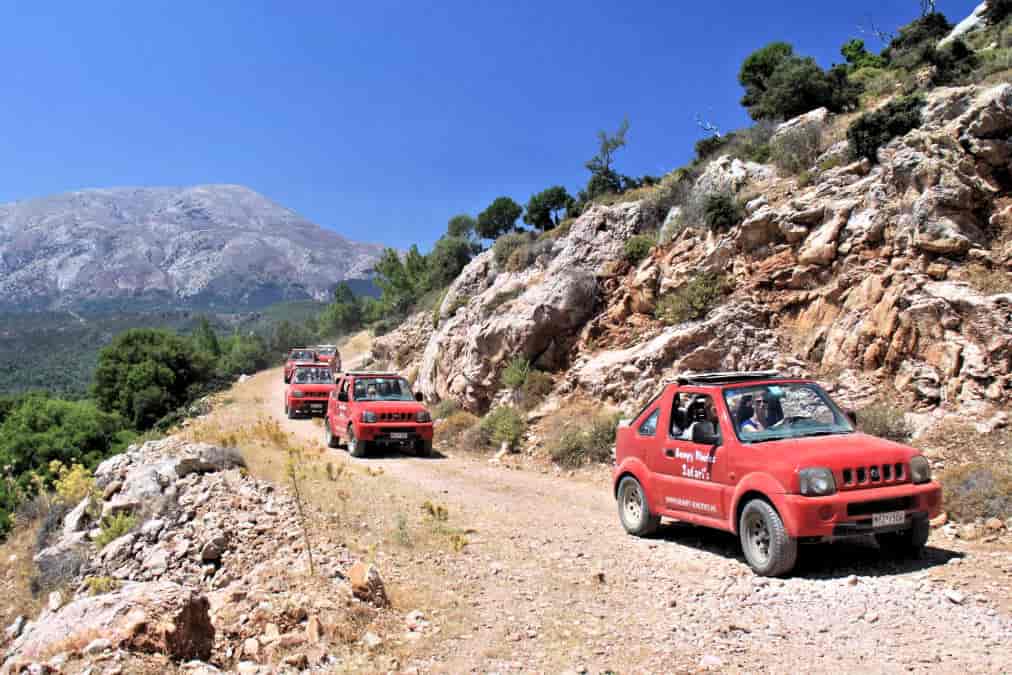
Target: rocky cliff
{"x": 222, "y": 245}
{"x": 890, "y": 280}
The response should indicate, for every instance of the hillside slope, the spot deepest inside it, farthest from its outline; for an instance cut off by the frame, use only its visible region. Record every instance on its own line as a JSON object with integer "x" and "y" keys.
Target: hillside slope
{"x": 207, "y": 245}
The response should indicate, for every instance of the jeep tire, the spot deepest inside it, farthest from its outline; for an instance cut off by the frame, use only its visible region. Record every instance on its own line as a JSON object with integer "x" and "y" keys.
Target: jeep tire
{"x": 423, "y": 448}
{"x": 908, "y": 542}
{"x": 289, "y": 412}
{"x": 768, "y": 549}
{"x": 329, "y": 439}
{"x": 633, "y": 510}
{"x": 356, "y": 448}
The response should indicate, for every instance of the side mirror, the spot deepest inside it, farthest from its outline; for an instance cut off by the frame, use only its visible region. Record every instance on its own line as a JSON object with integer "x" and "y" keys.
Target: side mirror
{"x": 419, "y": 397}
{"x": 342, "y": 396}
{"x": 851, "y": 415}
{"x": 704, "y": 433}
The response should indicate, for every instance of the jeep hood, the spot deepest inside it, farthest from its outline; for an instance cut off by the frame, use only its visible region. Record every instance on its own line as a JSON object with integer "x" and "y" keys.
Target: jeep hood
{"x": 840, "y": 450}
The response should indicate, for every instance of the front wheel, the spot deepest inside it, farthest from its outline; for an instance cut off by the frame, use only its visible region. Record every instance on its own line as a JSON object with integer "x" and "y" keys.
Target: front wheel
{"x": 356, "y": 448}
{"x": 769, "y": 550}
{"x": 909, "y": 542}
{"x": 329, "y": 439}
{"x": 289, "y": 411}
{"x": 423, "y": 448}
{"x": 633, "y": 510}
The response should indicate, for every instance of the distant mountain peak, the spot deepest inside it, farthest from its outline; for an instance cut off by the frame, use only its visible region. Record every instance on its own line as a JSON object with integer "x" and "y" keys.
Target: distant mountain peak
{"x": 193, "y": 246}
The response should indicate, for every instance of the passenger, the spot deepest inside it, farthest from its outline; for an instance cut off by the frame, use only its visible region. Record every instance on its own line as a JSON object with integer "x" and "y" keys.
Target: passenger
{"x": 371, "y": 391}
{"x": 759, "y": 417}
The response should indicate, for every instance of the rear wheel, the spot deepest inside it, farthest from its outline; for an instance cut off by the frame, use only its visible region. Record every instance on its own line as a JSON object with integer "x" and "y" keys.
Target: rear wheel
{"x": 633, "y": 510}
{"x": 290, "y": 411}
{"x": 769, "y": 550}
{"x": 329, "y": 439}
{"x": 356, "y": 448}
{"x": 423, "y": 448}
{"x": 909, "y": 542}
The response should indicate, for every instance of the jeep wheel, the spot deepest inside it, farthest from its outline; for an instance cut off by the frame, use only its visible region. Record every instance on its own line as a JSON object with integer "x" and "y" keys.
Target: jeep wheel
{"x": 633, "y": 510}
{"x": 329, "y": 439}
{"x": 356, "y": 448}
{"x": 909, "y": 542}
{"x": 423, "y": 448}
{"x": 769, "y": 550}
{"x": 290, "y": 412}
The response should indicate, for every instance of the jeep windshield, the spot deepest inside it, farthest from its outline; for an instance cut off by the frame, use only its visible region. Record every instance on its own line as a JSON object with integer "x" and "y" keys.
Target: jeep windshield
{"x": 313, "y": 376}
{"x": 302, "y": 355}
{"x": 326, "y": 351}
{"x": 772, "y": 412}
{"x": 383, "y": 389}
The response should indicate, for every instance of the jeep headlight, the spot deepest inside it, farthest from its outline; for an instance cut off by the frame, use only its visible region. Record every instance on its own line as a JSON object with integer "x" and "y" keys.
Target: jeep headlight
{"x": 298, "y": 393}
{"x": 423, "y": 416}
{"x": 920, "y": 469}
{"x": 817, "y": 482}
{"x": 368, "y": 416}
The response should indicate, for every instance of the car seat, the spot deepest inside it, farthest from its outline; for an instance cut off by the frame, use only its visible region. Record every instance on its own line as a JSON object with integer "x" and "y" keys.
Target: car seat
{"x": 774, "y": 411}
{"x": 743, "y": 410}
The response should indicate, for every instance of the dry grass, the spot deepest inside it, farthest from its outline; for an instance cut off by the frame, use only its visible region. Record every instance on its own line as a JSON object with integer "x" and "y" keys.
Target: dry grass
{"x": 16, "y": 573}
{"x": 977, "y": 474}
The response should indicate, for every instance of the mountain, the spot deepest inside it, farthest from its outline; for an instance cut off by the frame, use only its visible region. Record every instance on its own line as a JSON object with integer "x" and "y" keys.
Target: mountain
{"x": 202, "y": 246}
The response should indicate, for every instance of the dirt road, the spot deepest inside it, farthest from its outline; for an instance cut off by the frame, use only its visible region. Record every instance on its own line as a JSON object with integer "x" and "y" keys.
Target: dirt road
{"x": 549, "y": 582}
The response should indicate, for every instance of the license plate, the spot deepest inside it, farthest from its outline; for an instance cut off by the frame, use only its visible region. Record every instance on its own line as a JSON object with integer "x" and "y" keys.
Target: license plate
{"x": 399, "y": 436}
{"x": 889, "y": 518}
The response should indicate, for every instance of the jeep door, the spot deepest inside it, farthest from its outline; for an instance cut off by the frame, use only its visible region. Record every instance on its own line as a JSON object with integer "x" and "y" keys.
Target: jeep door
{"x": 339, "y": 416}
{"x": 694, "y": 474}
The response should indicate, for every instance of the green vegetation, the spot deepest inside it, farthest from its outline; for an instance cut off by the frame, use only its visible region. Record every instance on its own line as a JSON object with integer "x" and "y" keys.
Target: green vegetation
{"x": 858, "y": 57}
{"x": 779, "y": 84}
{"x": 515, "y": 374}
{"x": 872, "y": 130}
{"x": 795, "y": 150}
{"x": 535, "y": 388}
{"x": 576, "y": 446}
{"x": 506, "y": 245}
{"x": 113, "y": 527}
{"x": 721, "y": 211}
{"x": 692, "y": 300}
{"x": 638, "y": 247}
{"x": 503, "y": 424}
{"x": 977, "y": 491}
{"x": 499, "y": 218}
{"x": 885, "y": 421}
{"x": 545, "y": 209}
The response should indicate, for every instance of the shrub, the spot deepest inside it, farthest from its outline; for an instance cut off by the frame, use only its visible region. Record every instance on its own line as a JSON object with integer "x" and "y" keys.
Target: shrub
{"x": 796, "y": 149}
{"x": 876, "y": 82}
{"x": 113, "y": 527}
{"x": 504, "y": 424}
{"x": 710, "y": 145}
{"x": 101, "y": 585}
{"x": 506, "y": 245}
{"x": 515, "y": 374}
{"x": 535, "y": 388}
{"x": 908, "y": 49}
{"x": 575, "y": 446}
{"x": 805, "y": 179}
{"x": 451, "y": 429}
{"x": 721, "y": 211}
{"x": 672, "y": 190}
{"x": 997, "y": 11}
{"x": 885, "y": 421}
{"x": 444, "y": 409}
{"x": 779, "y": 83}
{"x": 521, "y": 258}
{"x": 638, "y": 247}
{"x": 72, "y": 484}
{"x": 977, "y": 491}
{"x": 874, "y": 129}
{"x": 692, "y": 300}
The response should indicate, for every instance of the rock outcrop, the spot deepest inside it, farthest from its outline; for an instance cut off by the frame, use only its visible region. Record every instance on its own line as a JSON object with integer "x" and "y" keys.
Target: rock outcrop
{"x": 892, "y": 276}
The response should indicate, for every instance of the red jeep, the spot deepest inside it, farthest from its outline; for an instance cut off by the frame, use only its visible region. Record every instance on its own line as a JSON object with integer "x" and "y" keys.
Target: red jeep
{"x": 772, "y": 460}
{"x": 377, "y": 408}
{"x": 329, "y": 354}
{"x": 309, "y": 390}
{"x": 298, "y": 357}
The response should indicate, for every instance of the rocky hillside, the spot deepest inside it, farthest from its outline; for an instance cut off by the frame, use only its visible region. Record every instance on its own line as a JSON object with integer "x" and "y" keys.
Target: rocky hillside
{"x": 208, "y": 245}
{"x": 209, "y": 565}
{"x": 890, "y": 279}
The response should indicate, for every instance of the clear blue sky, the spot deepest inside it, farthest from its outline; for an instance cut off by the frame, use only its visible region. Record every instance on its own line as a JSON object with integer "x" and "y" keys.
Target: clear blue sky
{"x": 382, "y": 119}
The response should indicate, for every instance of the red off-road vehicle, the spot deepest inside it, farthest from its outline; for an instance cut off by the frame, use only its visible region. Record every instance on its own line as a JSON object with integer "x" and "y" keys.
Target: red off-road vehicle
{"x": 377, "y": 408}
{"x": 297, "y": 357}
{"x": 773, "y": 460}
{"x": 329, "y": 354}
{"x": 309, "y": 390}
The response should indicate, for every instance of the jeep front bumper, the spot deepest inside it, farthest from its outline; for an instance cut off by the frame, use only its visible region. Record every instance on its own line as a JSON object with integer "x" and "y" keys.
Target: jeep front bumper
{"x": 394, "y": 432}
{"x": 851, "y": 512}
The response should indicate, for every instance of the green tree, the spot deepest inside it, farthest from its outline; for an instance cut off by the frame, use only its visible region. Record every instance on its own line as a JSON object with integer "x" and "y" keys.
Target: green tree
{"x": 145, "y": 373}
{"x": 606, "y": 148}
{"x": 500, "y": 217}
{"x": 244, "y": 353}
{"x": 447, "y": 258}
{"x": 205, "y": 339}
{"x": 859, "y": 57}
{"x": 461, "y": 225}
{"x": 343, "y": 315}
{"x": 757, "y": 69}
{"x": 544, "y": 209}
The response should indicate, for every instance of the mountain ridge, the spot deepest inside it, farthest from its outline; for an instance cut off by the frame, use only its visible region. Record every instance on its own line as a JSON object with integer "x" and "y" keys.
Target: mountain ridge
{"x": 193, "y": 246}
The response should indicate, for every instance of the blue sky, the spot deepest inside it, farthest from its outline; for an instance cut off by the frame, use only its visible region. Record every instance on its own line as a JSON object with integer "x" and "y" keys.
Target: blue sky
{"x": 382, "y": 119}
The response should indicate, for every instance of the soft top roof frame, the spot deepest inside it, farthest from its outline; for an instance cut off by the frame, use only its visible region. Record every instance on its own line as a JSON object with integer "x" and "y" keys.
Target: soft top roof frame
{"x": 728, "y": 377}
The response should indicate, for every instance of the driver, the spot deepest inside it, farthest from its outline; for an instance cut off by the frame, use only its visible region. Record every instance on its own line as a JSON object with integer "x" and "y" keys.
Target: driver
{"x": 760, "y": 409}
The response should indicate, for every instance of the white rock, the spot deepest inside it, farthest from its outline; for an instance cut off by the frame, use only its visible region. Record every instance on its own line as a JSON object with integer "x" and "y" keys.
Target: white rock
{"x": 97, "y": 646}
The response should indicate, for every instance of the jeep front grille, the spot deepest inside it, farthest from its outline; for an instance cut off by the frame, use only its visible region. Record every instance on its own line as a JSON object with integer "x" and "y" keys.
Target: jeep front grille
{"x": 396, "y": 417}
{"x": 873, "y": 475}
{"x": 880, "y": 506}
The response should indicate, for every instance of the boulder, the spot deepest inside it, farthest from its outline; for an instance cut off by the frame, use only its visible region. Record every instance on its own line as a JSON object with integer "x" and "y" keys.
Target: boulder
{"x": 366, "y": 583}
{"x": 154, "y": 617}
{"x": 79, "y": 518}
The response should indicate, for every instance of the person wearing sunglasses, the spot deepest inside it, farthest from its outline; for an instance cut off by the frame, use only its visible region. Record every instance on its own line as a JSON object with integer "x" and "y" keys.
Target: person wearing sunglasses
{"x": 760, "y": 409}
